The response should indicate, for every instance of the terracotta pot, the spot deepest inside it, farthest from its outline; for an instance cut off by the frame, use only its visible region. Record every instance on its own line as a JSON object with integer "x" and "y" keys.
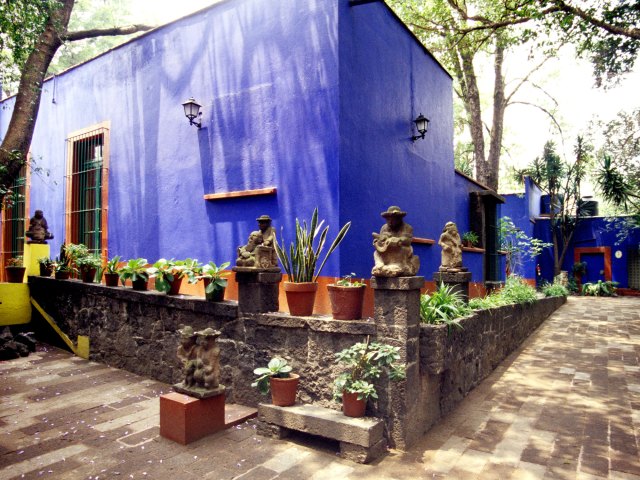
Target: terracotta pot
{"x": 111, "y": 279}
{"x": 140, "y": 284}
{"x": 346, "y": 302}
{"x": 15, "y": 274}
{"x": 62, "y": 275}
{"x": 88, "y": 275}
{"x": 301, "y": 297}
{"x": 284, "y": 390}
{"x": 216, "y": 295}
{"x": 351, "y": 406}
{"x": 45, "y": 271}
{"x": 175, "y": 285}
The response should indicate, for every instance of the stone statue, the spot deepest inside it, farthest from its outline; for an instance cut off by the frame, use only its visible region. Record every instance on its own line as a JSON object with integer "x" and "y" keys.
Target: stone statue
{"x": 200, "y": 357}
{"x": 38, "y": 229}
{"x": 259, "y": 252}
{"x": 451, "y": 249}
{"x": 394, "y": 255}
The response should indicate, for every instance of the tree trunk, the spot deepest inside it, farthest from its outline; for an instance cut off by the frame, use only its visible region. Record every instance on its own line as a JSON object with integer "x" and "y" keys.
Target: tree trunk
{"x": 491, "y": 177}
{"x": 16, "y": 143}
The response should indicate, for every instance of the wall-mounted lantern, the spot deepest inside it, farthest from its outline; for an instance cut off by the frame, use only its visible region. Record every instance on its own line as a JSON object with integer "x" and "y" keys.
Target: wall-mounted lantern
{"x": 422, "y": 125}
{"x": 192, "y": 111}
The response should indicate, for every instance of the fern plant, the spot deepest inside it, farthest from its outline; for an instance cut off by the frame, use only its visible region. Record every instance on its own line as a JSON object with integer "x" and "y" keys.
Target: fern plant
{"x": 301, "y": 259}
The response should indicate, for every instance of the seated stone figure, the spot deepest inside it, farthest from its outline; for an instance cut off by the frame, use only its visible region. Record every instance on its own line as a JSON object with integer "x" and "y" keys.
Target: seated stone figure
{"x": 200, "y": 357}
{"x": 451, "y": 259}
{"x": 38, "y": 229}
{"x": 187, "y": 354}
{"x": 394, "y": 256}
{"x": 259, "y": 252}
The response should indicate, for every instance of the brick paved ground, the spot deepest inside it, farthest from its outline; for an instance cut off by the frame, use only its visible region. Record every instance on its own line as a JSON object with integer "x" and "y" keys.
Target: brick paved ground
{"x": 566, "y": 405}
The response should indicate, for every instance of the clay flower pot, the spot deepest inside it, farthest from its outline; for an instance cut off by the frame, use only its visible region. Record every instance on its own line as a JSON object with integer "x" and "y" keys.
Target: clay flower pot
{"x": 301, "y": 297}
{"x": 45, "y": 271}
{"x": 284, "y": 390}
{"x": 62, "y": 275}
{"x": 88, "y": 275}
{"x": 351, "y": 406}
{"x": 175, "y": 285}
{"x": 111, "y": 279}
{"x": 346, "y": 302}
{"x": 15, "y": 274}
{"x": 215, "y": 296}
{"x": 140, "y": 284}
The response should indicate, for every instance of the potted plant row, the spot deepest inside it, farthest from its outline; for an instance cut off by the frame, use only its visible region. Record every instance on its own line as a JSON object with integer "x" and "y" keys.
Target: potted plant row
{"x": 300, "y": 262}
{"x": 364, "y": 363}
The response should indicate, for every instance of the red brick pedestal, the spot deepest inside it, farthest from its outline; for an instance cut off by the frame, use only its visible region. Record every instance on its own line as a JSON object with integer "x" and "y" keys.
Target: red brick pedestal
{"x": 185, "y": 419}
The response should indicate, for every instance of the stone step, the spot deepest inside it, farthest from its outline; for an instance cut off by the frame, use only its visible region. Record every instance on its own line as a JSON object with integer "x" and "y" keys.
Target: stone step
{"x": 361, "y": 439}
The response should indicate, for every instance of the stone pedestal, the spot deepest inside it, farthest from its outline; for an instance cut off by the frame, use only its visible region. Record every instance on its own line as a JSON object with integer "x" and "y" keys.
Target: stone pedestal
{"x": 258, "y": 289}
{"x": 458, "y": 280}
{"x": 32, "y": 252}
{"x": 397, "y": 317}
{"x": 185, "y": 419}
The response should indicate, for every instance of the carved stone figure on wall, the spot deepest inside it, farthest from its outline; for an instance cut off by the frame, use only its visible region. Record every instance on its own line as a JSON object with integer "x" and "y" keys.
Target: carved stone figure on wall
{"x": 200, "y": 357}
{"x": 259, "y": 252}
{"x": 394, "y": 256}
{"x": 38, "y": 229}
{"x": 451, "y": 244}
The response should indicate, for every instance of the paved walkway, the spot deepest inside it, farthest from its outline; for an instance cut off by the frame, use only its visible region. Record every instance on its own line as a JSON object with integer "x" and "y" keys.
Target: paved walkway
{"x": 566, "y": 405}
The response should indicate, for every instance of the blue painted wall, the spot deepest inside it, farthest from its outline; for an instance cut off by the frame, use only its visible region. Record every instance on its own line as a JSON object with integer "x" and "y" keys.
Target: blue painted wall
{"x": 314, "y": 97}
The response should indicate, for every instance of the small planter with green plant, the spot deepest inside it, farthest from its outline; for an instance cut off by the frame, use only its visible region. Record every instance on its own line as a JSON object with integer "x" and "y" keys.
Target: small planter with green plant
{"x": 300, "y": 262}
{"x": 88, "y": 265}
{"x": 168, "y": 274}
{"x": 470, "y": 239}
{"x": 347, "y": 298}
{"x": 111, "y": 272}
{"x": 214, "y": 281}
{"x": 15, "y": 269}
{"x": 135, "y": 270}
{"x": 63, "y": 267}
{"x": 46, "y": 266}
{"x": 74, "y": 252}
{"x": 277, "y": 378}
{"x": 364, "y": 363}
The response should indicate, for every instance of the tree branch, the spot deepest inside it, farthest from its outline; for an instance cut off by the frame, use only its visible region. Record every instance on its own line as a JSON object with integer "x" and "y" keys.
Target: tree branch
{"x": 553, "y": 118}
{"x": 99, "y": 32}
{"x": 609, "y": 27}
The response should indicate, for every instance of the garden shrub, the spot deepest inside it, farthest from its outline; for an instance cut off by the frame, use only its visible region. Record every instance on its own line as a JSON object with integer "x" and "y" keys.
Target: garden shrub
{"x": 555, "y": 290}
{"x": 600, "y": 289}
{"x": 444, "y": 306}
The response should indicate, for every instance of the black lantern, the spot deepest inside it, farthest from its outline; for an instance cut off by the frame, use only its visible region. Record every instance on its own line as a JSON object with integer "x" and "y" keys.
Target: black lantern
{"x": 422, "y": 125}
{"x": 192, "y": 111}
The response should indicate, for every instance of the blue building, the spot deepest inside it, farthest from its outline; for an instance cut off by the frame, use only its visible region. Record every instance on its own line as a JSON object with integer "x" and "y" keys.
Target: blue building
{"x": 304, "y": 103}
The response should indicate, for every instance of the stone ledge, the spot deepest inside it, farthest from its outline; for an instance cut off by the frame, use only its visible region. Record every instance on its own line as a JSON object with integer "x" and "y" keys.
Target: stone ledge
{"x": 397, "y": 283}
{"x": 226, "y": 309}
{"x": 365, "y": 432}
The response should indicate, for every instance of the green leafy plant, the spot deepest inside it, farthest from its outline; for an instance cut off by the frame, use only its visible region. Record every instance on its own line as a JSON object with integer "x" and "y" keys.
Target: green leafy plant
{"x": 46, "y": 262}
{"x": 484, "y": 303}
{"x": 579, "y": 269}
{"x": 88, "y": 262}
{"x": 518, "y": 246}
{"x": 555, "y": 290}
{"x": 215, "y": 274}
{"x": 600, "y": 289}
{"x": 444, "y": 306}
{"x": 63, "y": 261}
{"x": 112, "y": 265}
{"x": 516, "y": 290}
{"x": 134, "y": 269}
{"x": 348, "y": 281}
{"x": 300, "y": 261}
{"x": 15, "y": 262}
{"x": 277, "y": 367}
{"x": 365, "y": 362}
{"x": 166, "y": 271}
{"x": 470, "y": 237}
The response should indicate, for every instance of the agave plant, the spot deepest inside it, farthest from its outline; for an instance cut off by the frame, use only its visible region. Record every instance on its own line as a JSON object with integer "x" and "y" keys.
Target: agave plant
{"x": 301, "y": 260}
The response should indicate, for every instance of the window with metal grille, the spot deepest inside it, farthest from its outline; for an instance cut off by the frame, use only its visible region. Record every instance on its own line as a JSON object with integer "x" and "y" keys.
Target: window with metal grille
{"x": 633, "y": 266}
{"x": 87, "y": 174}
{"x": 15, "y": 214}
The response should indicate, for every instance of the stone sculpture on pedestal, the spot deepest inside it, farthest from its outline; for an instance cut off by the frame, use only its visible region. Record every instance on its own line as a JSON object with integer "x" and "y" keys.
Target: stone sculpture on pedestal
{"x": 38, "y": 229}
{"x": 200, "y": 357}
{"x": 451, "y": 259}
{"x": 394, "y": 256}
{"x": 259, "y": 252}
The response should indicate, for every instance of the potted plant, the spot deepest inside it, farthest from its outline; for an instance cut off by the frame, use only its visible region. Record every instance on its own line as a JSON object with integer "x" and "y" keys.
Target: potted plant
{"x": 301, "y": 260}
{"x": 62, "y": 265}
{"x": 277, "y": 377}
{"x": 169, "y": 274}
{"x": 136, "y": 271}
{"x": 15, "y": 270}
{"x": 46, "y": 266}
{"x": 88, "y": 265}
{"x": 111, "y": 273}
{"x": 365, "y": 361}
{"x": 469, "y": 239}
{"x": 347, "y": 298}
{"x": 74, "y": 252}
{"x": 214, "y": 284}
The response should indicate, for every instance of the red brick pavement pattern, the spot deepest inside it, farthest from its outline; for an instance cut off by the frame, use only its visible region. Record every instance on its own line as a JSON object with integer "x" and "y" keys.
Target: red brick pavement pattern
{"x": 566, "y": 405}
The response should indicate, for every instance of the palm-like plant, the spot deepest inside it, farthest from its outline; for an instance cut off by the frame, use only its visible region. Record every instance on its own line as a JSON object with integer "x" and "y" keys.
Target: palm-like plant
{"x": 301, "y": 260}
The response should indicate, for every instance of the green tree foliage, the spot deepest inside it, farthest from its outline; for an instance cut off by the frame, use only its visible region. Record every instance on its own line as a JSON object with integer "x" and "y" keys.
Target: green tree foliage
{"x": 561, "y": 180}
